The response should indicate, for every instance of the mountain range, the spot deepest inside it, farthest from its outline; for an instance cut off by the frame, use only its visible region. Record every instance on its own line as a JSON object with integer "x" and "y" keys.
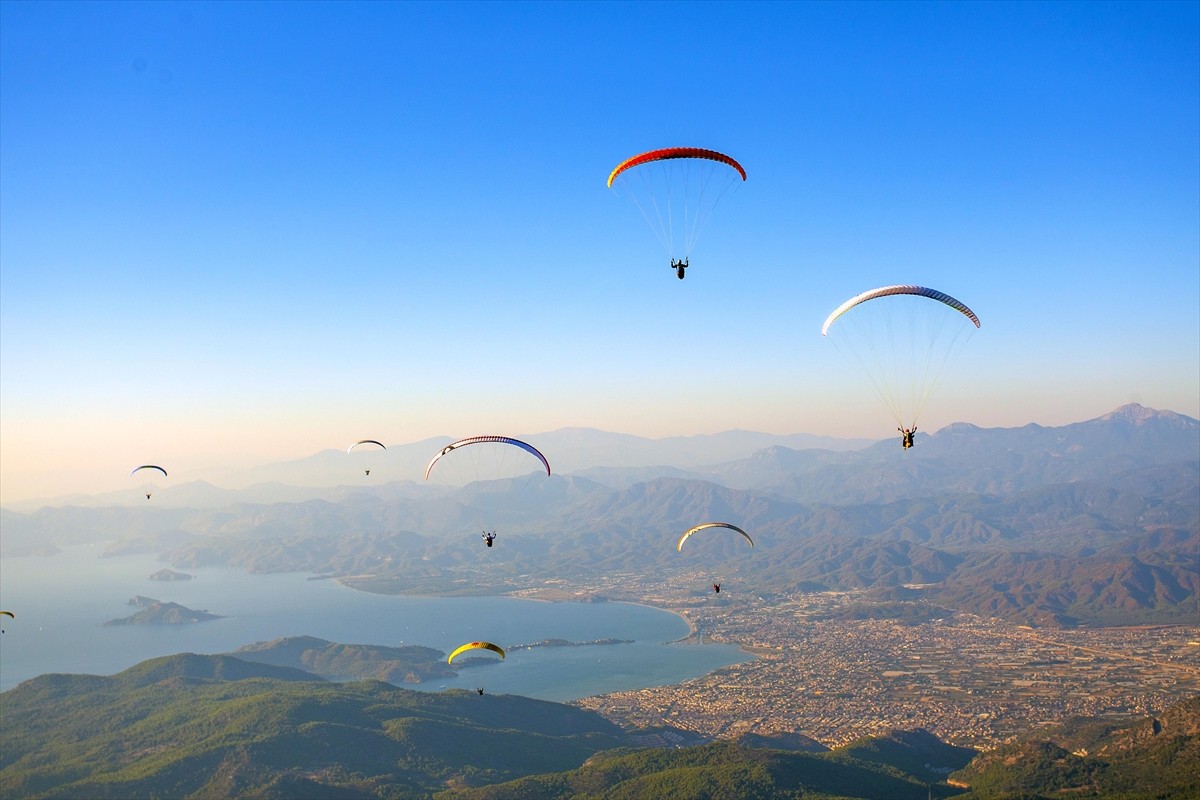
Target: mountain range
{"x": 1096, "y": 522}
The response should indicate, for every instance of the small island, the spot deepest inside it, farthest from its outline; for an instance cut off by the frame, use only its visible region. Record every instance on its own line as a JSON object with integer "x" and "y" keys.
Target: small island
{"x": 165, "y": 574}
{"x": 156, "y": 612}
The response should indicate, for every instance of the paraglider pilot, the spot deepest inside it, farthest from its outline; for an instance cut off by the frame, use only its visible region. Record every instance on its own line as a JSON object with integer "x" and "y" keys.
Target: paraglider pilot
{"x": 906, "y": 436}
{"x": 679, "y": 267}
{"x": 489, "y": 538}
{"x": 480, "y": 690}
{"x": 717, "y": 588}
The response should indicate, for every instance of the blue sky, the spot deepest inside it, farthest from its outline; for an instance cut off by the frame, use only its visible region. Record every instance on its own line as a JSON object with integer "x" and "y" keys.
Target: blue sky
{"x": 235, "y": 232}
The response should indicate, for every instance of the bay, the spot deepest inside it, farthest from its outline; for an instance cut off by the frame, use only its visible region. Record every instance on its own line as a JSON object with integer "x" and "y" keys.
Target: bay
{"x": 61, "y": 603}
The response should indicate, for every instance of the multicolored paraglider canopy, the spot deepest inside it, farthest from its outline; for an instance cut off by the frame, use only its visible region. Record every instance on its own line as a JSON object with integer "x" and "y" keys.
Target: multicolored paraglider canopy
{"x": 470, "y": 440}
{"x": 891, "y": 291}
{"x": 902, "y": 338}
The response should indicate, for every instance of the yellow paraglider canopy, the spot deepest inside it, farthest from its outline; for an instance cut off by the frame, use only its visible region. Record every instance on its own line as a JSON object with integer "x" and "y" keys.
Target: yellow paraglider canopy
{"x": 475, "y": 646}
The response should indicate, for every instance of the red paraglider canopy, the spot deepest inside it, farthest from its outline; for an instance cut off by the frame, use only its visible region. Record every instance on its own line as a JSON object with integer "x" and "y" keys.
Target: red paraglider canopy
{"x": 675, "y": 152}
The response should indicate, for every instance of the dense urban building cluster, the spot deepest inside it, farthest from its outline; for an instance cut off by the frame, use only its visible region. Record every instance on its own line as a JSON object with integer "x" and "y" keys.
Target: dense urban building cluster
{"x": 969, "y": 680}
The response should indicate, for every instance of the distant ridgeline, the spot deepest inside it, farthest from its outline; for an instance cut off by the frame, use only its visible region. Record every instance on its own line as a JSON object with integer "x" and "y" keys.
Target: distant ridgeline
{"x": 1093, "y": 523}
{"x": 285, "y": 733}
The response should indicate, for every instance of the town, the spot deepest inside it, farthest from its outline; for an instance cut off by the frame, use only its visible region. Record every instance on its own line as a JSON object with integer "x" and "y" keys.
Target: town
{"x": 969, "y": 680}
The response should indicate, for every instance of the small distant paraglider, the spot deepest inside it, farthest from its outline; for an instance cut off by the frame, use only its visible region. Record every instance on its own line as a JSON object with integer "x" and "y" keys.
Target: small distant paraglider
{"x": 705, "y": 526}
{"x": 367, "y": 444}
{"x": 136, "y": 470}
{"x": 8, "y": 614}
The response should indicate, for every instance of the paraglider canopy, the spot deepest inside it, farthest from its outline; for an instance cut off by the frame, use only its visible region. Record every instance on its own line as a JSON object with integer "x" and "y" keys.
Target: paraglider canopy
{"x": 152, "y": 468}
{"x": 474, "y": 646}
{"x": 890, "y": 291}
{"x": 470, "y": 440}
{"x": 148, "y": 466}
{"x": 491, "y": 480}
{"x": 706, "y": 525}
{"x": 668, "y": 153}
{"x": 902, "y": 339}
{"x": 676, "y": 189}
{"x": 367, "y": 444}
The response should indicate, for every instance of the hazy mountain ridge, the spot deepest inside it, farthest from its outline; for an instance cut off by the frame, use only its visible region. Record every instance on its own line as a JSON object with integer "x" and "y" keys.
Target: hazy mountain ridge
{"x": 1117, "y": 567}
{"x": 1158, "y": 583}
{"x": 335, "y": 475}
{"x": 960, "y": 458}
{"x": 1108, "y": 548}
{"x": 980, "y": 551}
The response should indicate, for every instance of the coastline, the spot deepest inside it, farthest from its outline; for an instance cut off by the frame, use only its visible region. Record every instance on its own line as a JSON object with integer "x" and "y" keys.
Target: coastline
{"x": 556, "y": 595}
{"x": 682, "y": 639}
{"x": 261, "y": 607}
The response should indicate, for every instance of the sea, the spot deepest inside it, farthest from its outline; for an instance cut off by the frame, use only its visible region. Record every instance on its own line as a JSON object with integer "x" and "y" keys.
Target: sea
{"x": 61, "y": 603}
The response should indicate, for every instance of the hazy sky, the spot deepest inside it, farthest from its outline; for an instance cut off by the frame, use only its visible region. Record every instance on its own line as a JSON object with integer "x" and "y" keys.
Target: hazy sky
{"x": 233, "y": 233}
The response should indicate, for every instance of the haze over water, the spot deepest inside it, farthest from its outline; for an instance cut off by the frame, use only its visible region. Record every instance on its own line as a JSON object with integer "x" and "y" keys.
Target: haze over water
{"x": 62, "y": 602}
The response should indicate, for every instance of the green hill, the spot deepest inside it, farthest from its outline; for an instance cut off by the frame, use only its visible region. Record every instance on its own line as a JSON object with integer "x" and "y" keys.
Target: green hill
{"x": 918, "y": 753}
{"x": 195, "y": 726}
{"x": 1144, "y": 759}
{"x": 407, "y": 664}
{"x": 217, "y": 726}
{"x": 715, "y": 770}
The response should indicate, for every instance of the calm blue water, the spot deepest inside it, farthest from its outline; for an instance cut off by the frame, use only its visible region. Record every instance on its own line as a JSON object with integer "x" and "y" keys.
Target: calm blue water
{"x": 61, "y": 603}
